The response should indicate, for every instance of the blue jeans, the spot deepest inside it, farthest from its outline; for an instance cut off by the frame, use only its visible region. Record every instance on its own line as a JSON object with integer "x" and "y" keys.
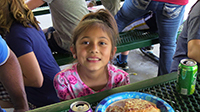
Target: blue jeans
{"x": 168, "y": 19}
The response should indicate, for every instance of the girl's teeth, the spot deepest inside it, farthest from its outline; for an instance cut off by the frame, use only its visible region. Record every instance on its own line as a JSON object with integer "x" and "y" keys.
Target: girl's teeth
{"x": 93, "y": 59}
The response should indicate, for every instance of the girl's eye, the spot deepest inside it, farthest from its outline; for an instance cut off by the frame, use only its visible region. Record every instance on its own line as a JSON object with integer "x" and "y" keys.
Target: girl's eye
{"x": 85, "y": 42}
{"x": 102, "y": 43}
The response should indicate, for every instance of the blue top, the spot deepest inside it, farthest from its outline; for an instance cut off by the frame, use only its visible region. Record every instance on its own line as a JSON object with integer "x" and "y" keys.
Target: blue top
{"x": 191, "y": 30}
{"x": 23, "y": 40}
{"x": 4, "y": 51}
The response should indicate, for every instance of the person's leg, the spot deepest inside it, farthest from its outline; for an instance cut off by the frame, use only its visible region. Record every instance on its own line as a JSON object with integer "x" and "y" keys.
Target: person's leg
{"x": 52, "y": 43}
{"x": 144, "y": 22}
{"x": 112, "y": 5}
{"x": 66, "y": 14}
{"x": 127, "y": 13}
{"x": 168, "y": 18}
{"x": 130, "y": 11}
{"x": 150, "y": 20}
{"x": 121, "y": 60}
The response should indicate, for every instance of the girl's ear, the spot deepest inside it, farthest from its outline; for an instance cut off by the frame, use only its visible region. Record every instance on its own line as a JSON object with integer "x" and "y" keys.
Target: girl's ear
{"x": 113, "y": 53}
{"x": 73, "y": 52}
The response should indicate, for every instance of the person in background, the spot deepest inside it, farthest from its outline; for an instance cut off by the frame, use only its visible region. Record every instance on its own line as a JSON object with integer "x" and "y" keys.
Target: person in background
{"x": 93, "y": 45}
{"x": 169, "y": 14}
{"x": 112, "y": 5}
{"x": 189, "y": 39}
{"x": 11, "y": 81}
{"x": 66, "y": 14}
{"x": 146, "y": 22}
{"x": 25, "y": 38}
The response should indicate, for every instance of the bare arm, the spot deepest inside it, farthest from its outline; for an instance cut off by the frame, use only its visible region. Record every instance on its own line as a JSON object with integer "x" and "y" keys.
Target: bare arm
{"x": 31, "y": 70}
{"x": 193, "y": 49}
{"x": 11, "y": 78}
{"x": 32, "y": 4}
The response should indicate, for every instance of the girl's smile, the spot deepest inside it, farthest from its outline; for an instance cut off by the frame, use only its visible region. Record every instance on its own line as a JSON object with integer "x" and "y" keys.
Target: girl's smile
{"x": 93, "y": 59}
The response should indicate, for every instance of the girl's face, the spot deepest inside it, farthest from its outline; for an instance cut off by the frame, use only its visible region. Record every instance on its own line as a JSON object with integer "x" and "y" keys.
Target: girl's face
{"x": 93, "y": 49}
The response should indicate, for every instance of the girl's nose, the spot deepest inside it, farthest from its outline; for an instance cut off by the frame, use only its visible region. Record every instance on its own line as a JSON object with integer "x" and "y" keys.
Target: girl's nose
{"x": 94, "y": 48}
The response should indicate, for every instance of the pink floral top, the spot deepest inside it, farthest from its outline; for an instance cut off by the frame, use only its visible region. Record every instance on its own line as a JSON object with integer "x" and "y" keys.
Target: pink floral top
{"x": 68, "y": 84}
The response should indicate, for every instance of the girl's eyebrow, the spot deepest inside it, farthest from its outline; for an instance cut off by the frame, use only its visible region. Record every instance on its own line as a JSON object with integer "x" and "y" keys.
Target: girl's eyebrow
{"x": 84, "y": 37}
{"x": 89, "y": 37}
{"x": 104, "y": 38}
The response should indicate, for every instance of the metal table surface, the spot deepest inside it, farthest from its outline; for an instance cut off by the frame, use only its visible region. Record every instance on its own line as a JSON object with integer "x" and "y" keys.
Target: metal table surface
{"x": 162, "y": 87}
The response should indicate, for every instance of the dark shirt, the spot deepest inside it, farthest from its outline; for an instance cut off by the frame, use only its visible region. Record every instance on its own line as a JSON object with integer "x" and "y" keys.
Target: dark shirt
{"x": 23, "y": 40}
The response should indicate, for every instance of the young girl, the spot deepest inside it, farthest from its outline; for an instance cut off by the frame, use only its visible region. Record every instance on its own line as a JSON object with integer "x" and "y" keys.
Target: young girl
{"x": 93, "y": 45}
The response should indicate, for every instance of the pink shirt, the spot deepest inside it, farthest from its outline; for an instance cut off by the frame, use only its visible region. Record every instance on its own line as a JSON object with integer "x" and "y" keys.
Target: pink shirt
{"x": 68, "y": 84}
{"x": 178, "y": 2}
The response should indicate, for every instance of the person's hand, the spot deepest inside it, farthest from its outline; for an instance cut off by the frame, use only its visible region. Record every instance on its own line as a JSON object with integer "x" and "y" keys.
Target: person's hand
{"x": 90, "y": 4}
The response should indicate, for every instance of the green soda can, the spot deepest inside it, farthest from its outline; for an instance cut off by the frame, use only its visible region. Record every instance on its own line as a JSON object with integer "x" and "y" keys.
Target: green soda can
{"x": 187, "y": 73}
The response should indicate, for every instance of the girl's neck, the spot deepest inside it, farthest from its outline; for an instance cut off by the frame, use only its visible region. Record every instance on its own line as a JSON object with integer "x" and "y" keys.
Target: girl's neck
{"x": 96, "y": 80}
{"x": 84, "y": 72}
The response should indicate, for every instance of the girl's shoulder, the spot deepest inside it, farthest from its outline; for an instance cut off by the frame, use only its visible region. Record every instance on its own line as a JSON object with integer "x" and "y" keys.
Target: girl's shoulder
{"x": 67, "y": 76}
{"x": 69, "y": 70}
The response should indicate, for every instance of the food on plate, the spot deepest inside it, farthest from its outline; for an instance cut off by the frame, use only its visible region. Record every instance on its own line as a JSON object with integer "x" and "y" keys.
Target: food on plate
{"x": 115, "y": 109}
{"x": 139, "y": 105}
{"x": 132, "y": 105}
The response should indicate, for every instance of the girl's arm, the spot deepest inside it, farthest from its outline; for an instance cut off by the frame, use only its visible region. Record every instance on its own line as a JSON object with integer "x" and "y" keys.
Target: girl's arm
{"x": 31, "y": 70}
{"x": 193, "y": 49}
{"x": 32, "y": 4}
